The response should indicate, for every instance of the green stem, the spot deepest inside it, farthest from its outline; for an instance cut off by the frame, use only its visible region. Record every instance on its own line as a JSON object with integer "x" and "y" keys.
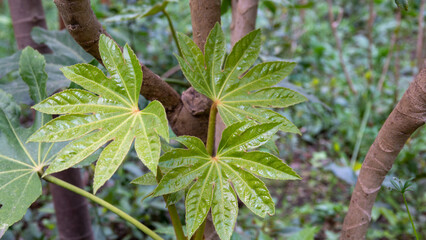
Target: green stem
{"x": 104, "y": 204}
{"x": 409, "y": 215}
{"x": 211, "y": 129}
{"x": 172, "y": 29}
{"x": 177, "y": 225}
{"x": 177, "y": 82}
{"x": 361, "y": 134}
{"x": 210, "y": 147}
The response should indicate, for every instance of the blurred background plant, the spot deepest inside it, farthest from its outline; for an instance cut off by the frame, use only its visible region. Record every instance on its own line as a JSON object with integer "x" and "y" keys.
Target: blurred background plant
{"x": 378, "y": 51}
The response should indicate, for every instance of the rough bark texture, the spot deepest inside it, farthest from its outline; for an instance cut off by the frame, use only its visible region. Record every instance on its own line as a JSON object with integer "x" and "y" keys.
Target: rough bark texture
{"x": 204, "y": 15}
{"x": 83, "y": 26}
{"x": 27, "y": 14}
{"x": 72, "y": 214}
{"x": 408, "y": 115}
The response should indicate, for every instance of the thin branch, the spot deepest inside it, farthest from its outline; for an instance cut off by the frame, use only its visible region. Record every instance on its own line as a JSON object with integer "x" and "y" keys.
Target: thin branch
{"x": 334, "y": 23}
{"x": 370, "y": 23}
{"x": 172, "y": 29}
{"x": 394, "y": 38}
{"x": 420, "y": 36}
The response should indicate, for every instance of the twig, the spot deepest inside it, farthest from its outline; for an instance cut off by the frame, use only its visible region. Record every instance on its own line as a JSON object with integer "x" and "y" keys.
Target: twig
{"x": 391, "y": 49}
{"x": 170, "y": 72}
{"x": 420, "y": 36}
{"x": 334, "y": 23}
{"x": 371, "y": 17}
{"x": 397, "y": 70}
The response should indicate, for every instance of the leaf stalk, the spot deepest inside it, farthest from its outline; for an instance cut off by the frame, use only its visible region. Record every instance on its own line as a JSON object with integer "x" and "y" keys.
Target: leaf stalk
{"x": 172, "y": 29}
{"x": 409, "y": 215}
{"x": 104, "y": 204}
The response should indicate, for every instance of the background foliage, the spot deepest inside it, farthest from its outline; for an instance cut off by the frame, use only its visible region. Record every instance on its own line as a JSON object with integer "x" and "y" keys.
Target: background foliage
{"x": 332, "y": 121}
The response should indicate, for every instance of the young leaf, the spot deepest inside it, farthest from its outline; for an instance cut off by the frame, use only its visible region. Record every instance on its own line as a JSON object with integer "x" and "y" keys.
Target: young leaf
{"x": 238, "y": 96}
{"x": 146, "y": 179}
{"x": 108, "y": 113}
{"x": 212, "y": 189}
{"x": 20, "y": 162}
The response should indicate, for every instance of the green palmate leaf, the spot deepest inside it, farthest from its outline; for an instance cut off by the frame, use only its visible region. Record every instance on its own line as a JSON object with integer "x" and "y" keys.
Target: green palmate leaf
{"x": 213, "y": 175}
{"x": 198, "y": 200}
{"x": 108, "y": 113}
{"x": 240, "y": 93}
{"x": 20, "y": 162}
{"x": 192, "y": 143}
{"x": 146, "y": 179}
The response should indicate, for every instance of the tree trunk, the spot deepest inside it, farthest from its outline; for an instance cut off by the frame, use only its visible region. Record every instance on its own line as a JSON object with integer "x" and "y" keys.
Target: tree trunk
{"x": 27, "y": 14}
{"x": 72, "y": 214}
{"x": 408, "y": 115}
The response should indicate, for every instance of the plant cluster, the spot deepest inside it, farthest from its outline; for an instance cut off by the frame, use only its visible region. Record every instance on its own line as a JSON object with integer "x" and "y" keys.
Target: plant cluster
{"x": 107, "y": 112}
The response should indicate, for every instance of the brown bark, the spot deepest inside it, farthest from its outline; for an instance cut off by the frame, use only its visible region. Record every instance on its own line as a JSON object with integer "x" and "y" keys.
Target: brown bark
{"x": 83, "y": 26}
{"x": 204, "y": 15}
{"x": 72, "y": 214}
{"x": 244, "y": 13}
{"x": 27, "y": 14}
{"x": 408, "y": 115}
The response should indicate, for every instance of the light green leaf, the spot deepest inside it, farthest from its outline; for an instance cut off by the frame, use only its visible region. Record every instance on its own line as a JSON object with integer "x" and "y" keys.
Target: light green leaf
{"x": 242, "y": 56}
{"x": 111, "y": 158}
{"x": 251, "y": 191}
{"x": 231, "y": 114}
{"x": 238, "y": 94}
{"x": 109, "y": 112}
{"x": 260, "y": 76}
{"x": 146, "y": 179}
{"x": 198, "y": 201}
{"x": 232, "y": 131}
{"x": 175, "y": 197}
{"x": 252, "y": 137}
{"x": 224, "y": 207}
{"x": 262, "y": 164}
{"x": 215, "y": 49}
{"x": 231, "y": 165}
{"x": 192, "y": 143}
{"x": 125, "y": 70}
{"x": 179, "y": 178}
{"x": 31, "y": 69}
{"x": 77, "y": 101}
{"x": 182, "y": 157}
{"x": 268, "y": 97}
